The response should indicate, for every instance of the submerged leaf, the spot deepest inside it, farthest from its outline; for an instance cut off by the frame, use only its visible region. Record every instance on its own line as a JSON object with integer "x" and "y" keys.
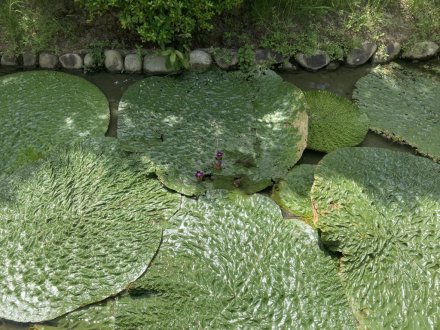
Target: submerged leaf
{"x": 334, "y": 122}
{"x": 292, "y": 193}
{"x": 75, "y": 230}
{"x": 259, "y": 122}
{"x": 403, "y": 104}
{"x": 381, "y": 210}
{"x": 40, "y": 109}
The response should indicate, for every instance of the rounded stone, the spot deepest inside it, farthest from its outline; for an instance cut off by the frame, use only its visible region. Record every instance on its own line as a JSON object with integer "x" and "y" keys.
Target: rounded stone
{"x": 133, "y": 63}
{"x": 71, "y": 61}
{"x": 89, "y": 61}
{"x": 48, "y": 61}
{"x": 268, "y": 56}
{"x": 199, "y": 60}
{"x": 29, "y": 60}
{"x": 9, "y": 60}
{"x": 333, "y": 66}
{"x": 360, "y": 55}
{"x": 113, "y": 61}
{"x": 226, "y": 59}
{"x": 421, "y": 51}
{"x": 318, "y": 60}
{"x": 288, "y": 66}
{"x": 156, "y": 64}
{"x": 386, "y": 53}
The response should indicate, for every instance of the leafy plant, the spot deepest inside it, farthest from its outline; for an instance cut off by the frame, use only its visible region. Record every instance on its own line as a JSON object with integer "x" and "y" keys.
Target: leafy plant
{"x": 402, "y": 104}
{"x": 220, "y": 262}
{"x": 380, "y": 210}
{"x": 292, "y": 193}
{"x": 32, "y": 25}
{"x": 246, "y": 59}
{"x": 72, "y": 240}
{"x": 258, "y": 121}
{"x": 334, "y": 122}
{"x": 43, "y": 109}
{"x": 163, "y": 22}
{"x": 175, "y": 59}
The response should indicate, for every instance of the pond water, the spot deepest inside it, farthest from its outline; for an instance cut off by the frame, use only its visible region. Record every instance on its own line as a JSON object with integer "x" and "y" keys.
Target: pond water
{"x": 340, "y": 81}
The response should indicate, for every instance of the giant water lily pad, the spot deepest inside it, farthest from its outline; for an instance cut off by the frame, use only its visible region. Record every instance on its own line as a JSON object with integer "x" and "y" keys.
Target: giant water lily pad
{"x": 258, "y": 122}
{"x": 41, "y": 109}
{"x": 334, "y": 122}
{"x": 381, "y": 210}
{"x": 232, "y": 262}
{"x": 292, "y": 193}
{"x": 403, "y": 105}
{"x": 77, "y": 229}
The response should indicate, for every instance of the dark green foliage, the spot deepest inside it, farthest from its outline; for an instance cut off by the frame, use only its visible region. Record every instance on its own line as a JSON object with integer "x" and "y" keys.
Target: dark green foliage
{"x": 163, "y": 21}
{"x": 259, "y": 123}
{"x": 334, "y": 122}
{"x": 381, "y": 210}
{"x": 76, "y": 229}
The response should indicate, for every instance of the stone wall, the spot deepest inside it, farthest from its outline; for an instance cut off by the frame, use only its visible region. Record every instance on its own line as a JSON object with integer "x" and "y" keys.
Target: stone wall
{"x": 118, "y": 61}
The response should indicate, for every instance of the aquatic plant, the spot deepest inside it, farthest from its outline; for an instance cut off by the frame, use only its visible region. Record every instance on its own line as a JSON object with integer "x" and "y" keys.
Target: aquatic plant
{"x": 292, "y": 193}
{"x": 258, "y": 121}
{"x": 381, "y": 210}
{"x": 40, "y": 109}
{"x": 403, "y": 105}
{"x": 231, "y": 261}
{"x": 76, "y": 229}
{"x": 334, "y": 122}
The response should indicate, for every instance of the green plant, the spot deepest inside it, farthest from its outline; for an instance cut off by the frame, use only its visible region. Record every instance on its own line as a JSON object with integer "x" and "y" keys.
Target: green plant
{"x": 32, "y": 25}
{"x": 334, "y": 121}
{"x": 163, "y": 22}
{"x": 402, "y": 104}
{"x": 175, "y": 59}
{"x": 380, "y": 209}
{"x": 221, "y": 259}
{"x": 246, "y": 59}
{"x": 179, "y": 124}
{"x": 292, "y": 193}
{"x": 72, "y": 240}
{"x": 43, "y": 109}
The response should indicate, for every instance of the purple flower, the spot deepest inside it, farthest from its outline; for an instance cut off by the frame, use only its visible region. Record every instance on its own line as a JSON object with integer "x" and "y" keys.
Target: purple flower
{"x": 199, "y": 175}
{"x": 219, "y": 155}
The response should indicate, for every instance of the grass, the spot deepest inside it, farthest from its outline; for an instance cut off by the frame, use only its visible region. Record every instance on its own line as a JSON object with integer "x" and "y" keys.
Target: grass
{"x": 287, "y": 26}
{"x": 32, "y": 25}
{"x": 291, "y": 26}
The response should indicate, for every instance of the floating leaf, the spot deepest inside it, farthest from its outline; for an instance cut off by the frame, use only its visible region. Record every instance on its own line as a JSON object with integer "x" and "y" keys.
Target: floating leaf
{"x": 403, "y": 104}
{"x": 77, "y": 229}
{"x": 381, "y": 210}
{"x": 334, "y": 122}
{"x": 230, "y": 261}
{"x": 179, "y": 123}
{"x": 40, "y": 109}
{"x": 292, "y": 193}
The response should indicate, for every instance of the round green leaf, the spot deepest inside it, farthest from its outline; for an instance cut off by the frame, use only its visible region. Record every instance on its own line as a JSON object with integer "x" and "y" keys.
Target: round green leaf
{"x": 230, "y": 261}
{"x": 403, "y": 104}
{"x": 75, "y": 230}
{"x": 41, "y": 109}
{"x": 381, "y": 210}
{"x": 292, "y": 194}
{"x": 258, "y": 122}
{"x": 334, "y": 122}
